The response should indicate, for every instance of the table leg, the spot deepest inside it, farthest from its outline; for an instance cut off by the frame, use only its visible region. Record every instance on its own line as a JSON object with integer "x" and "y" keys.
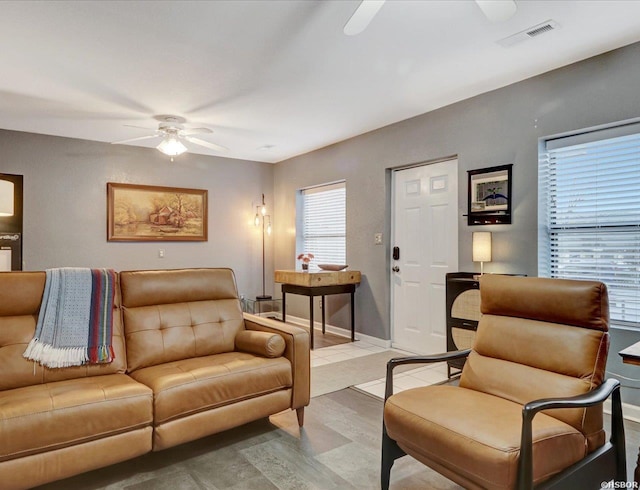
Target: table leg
{"x": 284, "y": 306}
{"x": 323, "y": 315}
{"x": 311, "y": 321}
{"x": 353, "y": 316}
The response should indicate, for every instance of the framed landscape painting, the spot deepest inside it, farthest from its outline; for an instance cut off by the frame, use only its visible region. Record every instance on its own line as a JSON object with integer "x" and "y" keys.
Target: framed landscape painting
{"x": 138, "y": 213}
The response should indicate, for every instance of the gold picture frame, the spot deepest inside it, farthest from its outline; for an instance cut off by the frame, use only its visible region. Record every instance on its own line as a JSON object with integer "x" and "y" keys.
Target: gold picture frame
{"x": 145, "y": 213}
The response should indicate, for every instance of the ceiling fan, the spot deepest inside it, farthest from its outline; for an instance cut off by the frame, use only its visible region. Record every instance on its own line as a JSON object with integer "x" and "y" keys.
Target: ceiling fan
{"x": 172, "y": 131}
{"x": 494, "y": 10}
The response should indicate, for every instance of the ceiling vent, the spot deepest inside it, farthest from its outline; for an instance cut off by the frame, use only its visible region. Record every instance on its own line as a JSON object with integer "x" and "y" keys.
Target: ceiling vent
{"x": 531, "y": 32}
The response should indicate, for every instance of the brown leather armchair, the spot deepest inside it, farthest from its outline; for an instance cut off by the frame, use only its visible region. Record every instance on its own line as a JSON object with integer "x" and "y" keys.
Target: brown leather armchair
{"x": 540, "y": 351}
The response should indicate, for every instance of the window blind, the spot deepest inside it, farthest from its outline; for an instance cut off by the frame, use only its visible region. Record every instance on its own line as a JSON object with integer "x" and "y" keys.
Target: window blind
{"x": 324, "y": 224}
{"x": 589, "y": 215}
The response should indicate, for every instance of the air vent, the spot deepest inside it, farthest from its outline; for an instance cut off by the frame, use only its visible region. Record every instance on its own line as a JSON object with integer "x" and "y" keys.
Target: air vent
{"x": 540, "y": 30}
{"x": 535, "y": 31}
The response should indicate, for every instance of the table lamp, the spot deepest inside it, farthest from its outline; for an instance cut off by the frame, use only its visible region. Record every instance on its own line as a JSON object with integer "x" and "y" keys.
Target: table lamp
{"x": 482, "y": 248}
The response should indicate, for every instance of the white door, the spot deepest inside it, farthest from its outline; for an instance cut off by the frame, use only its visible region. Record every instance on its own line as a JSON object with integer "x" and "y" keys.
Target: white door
{"x": 425, "y": 232}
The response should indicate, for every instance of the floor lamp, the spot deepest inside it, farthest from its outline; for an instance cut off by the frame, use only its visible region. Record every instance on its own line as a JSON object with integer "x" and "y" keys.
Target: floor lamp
{"x": 264, "y": 219}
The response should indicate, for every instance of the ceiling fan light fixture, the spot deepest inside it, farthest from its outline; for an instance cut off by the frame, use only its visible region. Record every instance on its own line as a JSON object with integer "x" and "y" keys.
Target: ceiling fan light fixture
{"x": 171, "y": 146}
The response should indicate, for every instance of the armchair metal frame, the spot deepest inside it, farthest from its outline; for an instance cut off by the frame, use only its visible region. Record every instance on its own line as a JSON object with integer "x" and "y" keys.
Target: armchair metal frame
{"x": 606, "y": 463}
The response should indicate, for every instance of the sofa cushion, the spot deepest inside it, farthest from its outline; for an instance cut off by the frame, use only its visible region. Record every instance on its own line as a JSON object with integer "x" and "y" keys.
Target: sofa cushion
{"x": 21, "y": 294}
{"x": 178, "y": 314}
{"x": 193, "y": 385}
{"x": 477, "y": 435}
{"x": 49, "y": 416}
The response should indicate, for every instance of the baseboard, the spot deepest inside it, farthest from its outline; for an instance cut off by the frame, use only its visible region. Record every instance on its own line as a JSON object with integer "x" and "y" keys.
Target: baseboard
{"x": 629, "y": 412}
{"x": 342, "y": 332}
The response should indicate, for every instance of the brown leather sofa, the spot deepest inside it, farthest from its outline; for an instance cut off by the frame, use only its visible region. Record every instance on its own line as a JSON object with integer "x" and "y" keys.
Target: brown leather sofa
{"x": 187, "y": 364}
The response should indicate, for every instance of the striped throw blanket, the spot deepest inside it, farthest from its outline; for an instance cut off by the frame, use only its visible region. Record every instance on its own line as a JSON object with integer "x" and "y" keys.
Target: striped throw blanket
{"x": 76, "y": 318}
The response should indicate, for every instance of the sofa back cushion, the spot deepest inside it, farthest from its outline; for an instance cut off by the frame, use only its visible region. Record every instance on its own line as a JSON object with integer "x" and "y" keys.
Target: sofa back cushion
{"x": 21, "y": 294}
{"x": 542, "y": 338}
{"x": 170, "y": 315}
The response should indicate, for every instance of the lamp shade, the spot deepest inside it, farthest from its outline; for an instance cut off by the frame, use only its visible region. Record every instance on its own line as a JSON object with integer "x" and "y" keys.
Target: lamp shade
{"x": 482, "y": 246}
{"x": 6, "y": 198}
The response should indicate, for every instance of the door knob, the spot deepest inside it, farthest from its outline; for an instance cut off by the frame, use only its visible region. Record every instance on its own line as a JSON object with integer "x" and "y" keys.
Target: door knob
{"x": 395, "y": 268}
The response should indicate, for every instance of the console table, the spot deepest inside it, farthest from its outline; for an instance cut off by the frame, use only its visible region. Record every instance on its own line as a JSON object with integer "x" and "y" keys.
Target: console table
{"x": 321, "y": 283}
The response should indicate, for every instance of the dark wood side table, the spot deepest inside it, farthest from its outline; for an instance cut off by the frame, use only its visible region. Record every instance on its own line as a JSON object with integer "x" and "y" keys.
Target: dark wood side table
{"x": 631, "y": 355}
{"x": 322, "y": 283}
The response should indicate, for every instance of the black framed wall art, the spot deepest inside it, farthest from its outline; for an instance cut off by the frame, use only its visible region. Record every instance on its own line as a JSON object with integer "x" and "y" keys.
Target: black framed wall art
{"x": 490, "y": 196}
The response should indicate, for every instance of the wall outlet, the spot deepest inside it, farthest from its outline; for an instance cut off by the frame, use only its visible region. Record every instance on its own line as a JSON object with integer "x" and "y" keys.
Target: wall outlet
{"x": 161, "y": 253}
{"x": 377, "y": 239}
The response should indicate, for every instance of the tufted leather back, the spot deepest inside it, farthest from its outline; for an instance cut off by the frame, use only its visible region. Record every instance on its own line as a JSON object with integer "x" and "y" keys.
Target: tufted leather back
{"x": 542, "y": 338}
{"x": 170, "y": 315}
{"x": 21, "y": 294}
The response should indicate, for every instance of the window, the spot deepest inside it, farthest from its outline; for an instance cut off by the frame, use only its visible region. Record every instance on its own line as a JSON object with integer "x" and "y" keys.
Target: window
{"x": 589, "y": 214}
{"x": 322, "y": 222}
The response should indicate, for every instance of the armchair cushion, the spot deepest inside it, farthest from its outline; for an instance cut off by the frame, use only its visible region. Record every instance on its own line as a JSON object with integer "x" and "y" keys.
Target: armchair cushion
{"x": 478, "y": 434}
{"x": 263, "y": 344}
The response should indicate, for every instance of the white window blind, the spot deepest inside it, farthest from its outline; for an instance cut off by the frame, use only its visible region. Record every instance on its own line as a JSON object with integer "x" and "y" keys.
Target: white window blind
{"x": 324, "y": 224}
{"x": 589, "y": 189}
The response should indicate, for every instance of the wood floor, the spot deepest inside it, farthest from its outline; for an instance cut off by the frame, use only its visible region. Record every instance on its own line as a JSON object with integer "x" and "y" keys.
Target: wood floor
{"x": 338, "y": 448}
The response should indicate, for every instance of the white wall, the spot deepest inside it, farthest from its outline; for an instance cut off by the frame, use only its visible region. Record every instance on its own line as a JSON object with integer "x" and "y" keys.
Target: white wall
{"x": 65, "y": 205}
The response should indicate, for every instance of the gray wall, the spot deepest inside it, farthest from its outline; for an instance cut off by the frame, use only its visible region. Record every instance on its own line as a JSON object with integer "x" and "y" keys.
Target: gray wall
{"x": 495, "y": 128}
{"x": 65, "y": 205}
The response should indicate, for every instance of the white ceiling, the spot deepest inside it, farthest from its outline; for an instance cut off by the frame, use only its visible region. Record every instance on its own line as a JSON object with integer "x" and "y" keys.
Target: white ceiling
{"x": 279, "y": 73}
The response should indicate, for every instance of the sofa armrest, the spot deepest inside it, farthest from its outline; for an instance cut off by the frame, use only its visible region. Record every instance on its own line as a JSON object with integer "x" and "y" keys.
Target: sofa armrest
{"x": 296, "y": 351}
{"x": 264, "y": 344}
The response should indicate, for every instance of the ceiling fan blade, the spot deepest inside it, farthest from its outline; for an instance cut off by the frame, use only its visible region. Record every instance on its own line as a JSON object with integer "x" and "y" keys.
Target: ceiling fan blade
{"x": 139, "y": 127}
{"x": 497, "y": 10}
{"x": 131, "y": 140}
{"x": 363, "y": 15}
{"x": 190, "y": 131}
{"x": 206, "y": 144}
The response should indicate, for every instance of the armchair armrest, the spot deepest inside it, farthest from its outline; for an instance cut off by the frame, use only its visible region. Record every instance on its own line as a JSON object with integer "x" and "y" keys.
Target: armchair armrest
{"x": 296, "y": 351}
{"x": 398, "y": 361}
{"x": 594, "y": 397}
{"x": 589, "y": 399}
